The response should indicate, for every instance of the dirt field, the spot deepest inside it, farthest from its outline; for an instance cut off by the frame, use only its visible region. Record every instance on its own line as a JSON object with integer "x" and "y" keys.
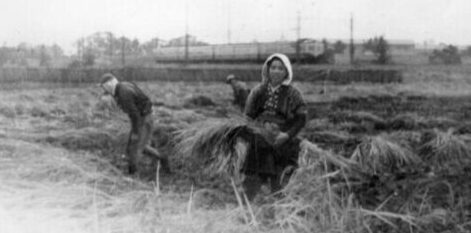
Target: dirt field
{"x": 61, "y": 168}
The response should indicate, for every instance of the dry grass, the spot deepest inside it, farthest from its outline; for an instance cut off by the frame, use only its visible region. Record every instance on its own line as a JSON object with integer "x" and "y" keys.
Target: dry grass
{"x": 406, "y": 139}
{"x": 211, "y": 145}
{"x": 45, "y": 189}
{"x": 310, "y": 202}
{"x": 357, "y": 117}
{"x": 89, "y": 139}
{"x": 51, "y": 190}
{"x": 445, "y": 152}
{"x": 405, "y": 122}
{"x": 377, "y": 155}
{"x": 317, "y": 199}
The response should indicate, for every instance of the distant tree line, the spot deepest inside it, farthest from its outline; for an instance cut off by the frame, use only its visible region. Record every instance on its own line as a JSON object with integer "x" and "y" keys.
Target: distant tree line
{"x": 90, "y": 48}
{"x": 108, "y": 45}
{"x": 24, "y": 54}
{"x": 380, "y": 48}
{"x": 448, "y": 55}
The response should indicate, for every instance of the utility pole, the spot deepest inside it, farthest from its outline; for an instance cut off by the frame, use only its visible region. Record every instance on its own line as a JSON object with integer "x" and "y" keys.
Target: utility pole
{"x": 352, "y": 46}
{"x": 111, "y": 48}
{"x": 186, "y": 32}
{"x": 228, "y": 22}
{"x": 79, "y": 45}
{"x": 298, "y": 37}
{"x": 123, "y": 53}
{"x": 81, "y": 49}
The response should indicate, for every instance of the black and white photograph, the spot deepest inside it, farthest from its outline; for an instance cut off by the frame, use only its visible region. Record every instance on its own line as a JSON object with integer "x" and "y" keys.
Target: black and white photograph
{"x": 228, "y": 116}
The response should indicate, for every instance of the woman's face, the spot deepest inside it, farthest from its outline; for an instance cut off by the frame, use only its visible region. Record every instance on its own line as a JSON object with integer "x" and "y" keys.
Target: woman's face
{"x": 277, "y": 72}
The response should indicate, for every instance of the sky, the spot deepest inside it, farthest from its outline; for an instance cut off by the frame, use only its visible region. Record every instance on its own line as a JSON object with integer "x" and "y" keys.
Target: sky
{"x": 65, "y": 21}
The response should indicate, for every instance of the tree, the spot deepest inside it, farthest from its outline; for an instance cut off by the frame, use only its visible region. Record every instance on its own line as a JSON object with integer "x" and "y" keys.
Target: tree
{"x": 448, "y": 55}
{"x": 380, "y": 48}
{"x": 325, "y": 44}
{"x": 44, "y": 58}
{"x": 339, "y": 47}
{"x": 135, "y": 46}
{"x": 467, "y": 51}
{"x": 6, "y": 54}
{"x": 88, "y": 57}
{"x": 56, "y": 51}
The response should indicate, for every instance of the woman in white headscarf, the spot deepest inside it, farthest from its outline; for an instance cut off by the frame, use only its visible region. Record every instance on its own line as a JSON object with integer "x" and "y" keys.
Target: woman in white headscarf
{"x": 279, "y": 106}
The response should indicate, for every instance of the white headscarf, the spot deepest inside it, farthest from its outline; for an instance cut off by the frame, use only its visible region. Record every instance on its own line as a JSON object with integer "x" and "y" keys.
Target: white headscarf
{"x": 285, "y": 60}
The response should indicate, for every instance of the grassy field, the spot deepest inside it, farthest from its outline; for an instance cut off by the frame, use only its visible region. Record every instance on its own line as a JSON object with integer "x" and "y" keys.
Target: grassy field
{"x": 383, "y": 158}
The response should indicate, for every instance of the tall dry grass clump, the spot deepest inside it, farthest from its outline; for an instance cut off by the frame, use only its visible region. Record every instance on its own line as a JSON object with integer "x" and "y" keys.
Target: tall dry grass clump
{"x": 377, "y": 155}
{"x": 445, "y": 152}
{"x": 211, "y": 144}
{"x": 310, "y": 201}
{"x": 407, "y": 139}
{"x": 319, "y": 198}
{"x": 325, "y": 194}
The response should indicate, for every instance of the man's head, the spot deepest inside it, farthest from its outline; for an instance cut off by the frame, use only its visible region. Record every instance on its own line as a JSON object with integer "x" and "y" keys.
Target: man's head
{"x": 108, "y": 83}
{"x": 230, "y": 78}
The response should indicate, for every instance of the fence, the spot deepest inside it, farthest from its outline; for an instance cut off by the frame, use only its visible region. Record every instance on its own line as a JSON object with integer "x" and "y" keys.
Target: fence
{"x": 92, "y": 75}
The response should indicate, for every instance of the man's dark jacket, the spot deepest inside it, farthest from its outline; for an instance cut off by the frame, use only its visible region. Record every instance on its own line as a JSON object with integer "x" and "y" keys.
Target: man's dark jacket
{"x": 134, "y": 102}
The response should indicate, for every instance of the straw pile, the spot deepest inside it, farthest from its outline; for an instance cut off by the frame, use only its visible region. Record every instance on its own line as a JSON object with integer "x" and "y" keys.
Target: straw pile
{"x": 377, "y": 155}
{"x": 212, "y": 145}
{"x": 445, "y": 152}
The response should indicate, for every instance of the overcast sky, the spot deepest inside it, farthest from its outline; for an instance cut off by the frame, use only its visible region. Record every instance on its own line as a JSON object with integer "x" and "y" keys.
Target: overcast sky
{"x": 64, "y": 21}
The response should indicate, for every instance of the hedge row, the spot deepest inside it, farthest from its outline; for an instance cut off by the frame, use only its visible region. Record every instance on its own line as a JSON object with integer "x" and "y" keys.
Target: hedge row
{"x": 55, "y": 75}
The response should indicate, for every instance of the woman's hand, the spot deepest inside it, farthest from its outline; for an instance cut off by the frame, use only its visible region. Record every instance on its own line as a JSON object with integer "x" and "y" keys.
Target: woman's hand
{"x": 271, "y": 127}
{"x": 280, "y": 139}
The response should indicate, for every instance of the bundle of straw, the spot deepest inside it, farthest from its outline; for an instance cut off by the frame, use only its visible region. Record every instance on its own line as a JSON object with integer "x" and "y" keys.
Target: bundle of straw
{"x": 445, "y": 152}
{"x": 211, "y": 143}
{"x": 376, "y": 155}
{"x": 220, "y": 145}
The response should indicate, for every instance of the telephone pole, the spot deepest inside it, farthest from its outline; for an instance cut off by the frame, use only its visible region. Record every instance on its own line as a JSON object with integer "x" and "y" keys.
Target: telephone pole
{"x": 228, "y": 22}
{"x": 186, "y": 32}
{"x": 111, "y": 47}
{"x": 123, "y": 53}
{"x": 352, "y": 46}
{"x": 298, "y": 37}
